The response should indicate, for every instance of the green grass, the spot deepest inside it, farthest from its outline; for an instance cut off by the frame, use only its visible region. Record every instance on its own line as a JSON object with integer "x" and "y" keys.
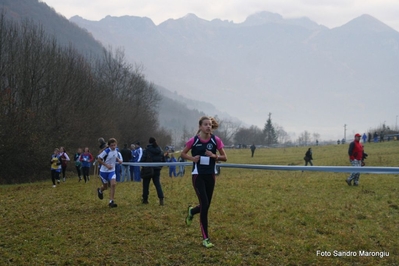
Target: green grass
{"x": 256, "y": 218}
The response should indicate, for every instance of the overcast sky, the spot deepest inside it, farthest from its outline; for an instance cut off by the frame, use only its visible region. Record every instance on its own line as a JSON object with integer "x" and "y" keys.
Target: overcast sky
{"x": 330, "y": 13}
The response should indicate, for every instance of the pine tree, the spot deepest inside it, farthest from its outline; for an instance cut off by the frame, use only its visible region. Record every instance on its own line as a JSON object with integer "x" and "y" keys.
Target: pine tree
{"x": 269, "y": 132}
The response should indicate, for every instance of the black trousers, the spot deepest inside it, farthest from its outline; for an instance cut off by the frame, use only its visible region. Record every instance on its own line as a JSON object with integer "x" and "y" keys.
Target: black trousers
{"x": 54, "y": 176}
{"x": 156, "y": 179}
{"x": 204, "y": 186}
{"x": 86, "y": 172}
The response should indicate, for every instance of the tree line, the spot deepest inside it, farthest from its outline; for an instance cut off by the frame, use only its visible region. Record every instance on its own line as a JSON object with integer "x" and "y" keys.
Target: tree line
{"x": 271, "y": 134}
{"x": 52, "y": 96}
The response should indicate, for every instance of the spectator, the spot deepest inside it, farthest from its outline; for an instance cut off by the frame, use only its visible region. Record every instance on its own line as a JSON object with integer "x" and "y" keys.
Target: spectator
{"x": 364, "y": 156}
{"x": 172, "y": 168}
{"x": 253, "y": 148}
{"x": 118, "y": 168}
{"x": 355, "y": 153}
{"x": 364, "y": 137}
{"x": 132, "y": 160}
{"x": 137, "y": 155}
{"x": 308, "y": 157}
{"x": 181, "y": 167}
{"x": 126, "y": 156}
{"x": 375, "y": 137}
{"x": 154, "y": 152}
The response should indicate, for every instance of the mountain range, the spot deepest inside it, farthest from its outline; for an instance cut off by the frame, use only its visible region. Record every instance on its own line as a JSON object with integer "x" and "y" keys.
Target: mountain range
{"x": 308, "y": 76}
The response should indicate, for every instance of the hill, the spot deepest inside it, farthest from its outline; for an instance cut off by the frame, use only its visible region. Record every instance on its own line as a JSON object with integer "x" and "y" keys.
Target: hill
{"x": 174, "y": 112}
{"x": 55, "y": 24}
{"x": 309, "y": 76}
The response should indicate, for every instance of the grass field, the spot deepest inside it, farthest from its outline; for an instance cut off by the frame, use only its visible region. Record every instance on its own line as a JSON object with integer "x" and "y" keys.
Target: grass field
{"x": 257, "y": 217}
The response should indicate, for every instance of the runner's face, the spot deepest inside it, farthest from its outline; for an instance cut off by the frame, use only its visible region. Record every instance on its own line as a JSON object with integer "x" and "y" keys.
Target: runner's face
{"x": 112, "y": 146}
{"x": 206, "y": 126}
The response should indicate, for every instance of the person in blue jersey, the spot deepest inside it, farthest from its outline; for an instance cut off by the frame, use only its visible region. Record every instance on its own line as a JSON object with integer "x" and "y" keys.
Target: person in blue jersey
{"x": 78, "y": 163}
{"x": 118, "y": 167}
{"x": 172, "y": 168}
{"x": 107, "y": 159}
{"x": 137, "y": 155}
{"x": 55, "y": 166}
{"x": 132, "y": 160}
{"x": 181, "y": 167}
{"x": 204, "y": 153}
{"x": 86, "y": 159}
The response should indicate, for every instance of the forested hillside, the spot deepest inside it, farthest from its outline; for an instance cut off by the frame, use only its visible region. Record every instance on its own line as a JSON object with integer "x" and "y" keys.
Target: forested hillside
{"x": 174, "y": 111}
{"x": 52, "y": 23}
{"x": 52, "y": 96}
{"x": 60, "y": 87}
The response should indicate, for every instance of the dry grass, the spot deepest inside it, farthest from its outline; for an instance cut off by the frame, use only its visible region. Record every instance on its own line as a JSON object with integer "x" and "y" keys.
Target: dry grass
{"x": 256, "y": 218}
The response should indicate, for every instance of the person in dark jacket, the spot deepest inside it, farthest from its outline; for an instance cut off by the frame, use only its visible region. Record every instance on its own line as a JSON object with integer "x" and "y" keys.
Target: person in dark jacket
{"x": 253, "y": 148}
{"x": 126, "y": 156}
{"x": 156, "y": 154}
{"x": 355, "y": 153}
{"x": 308, "y": 157}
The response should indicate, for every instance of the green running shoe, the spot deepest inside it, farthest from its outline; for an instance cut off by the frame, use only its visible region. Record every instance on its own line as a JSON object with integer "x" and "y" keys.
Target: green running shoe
{"x": 189, "y": 218}
{"x": 206, "y": 243}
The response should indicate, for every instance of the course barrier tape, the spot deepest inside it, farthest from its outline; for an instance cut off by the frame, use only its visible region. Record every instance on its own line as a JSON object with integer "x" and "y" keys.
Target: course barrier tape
{"x": 338, "y": 169}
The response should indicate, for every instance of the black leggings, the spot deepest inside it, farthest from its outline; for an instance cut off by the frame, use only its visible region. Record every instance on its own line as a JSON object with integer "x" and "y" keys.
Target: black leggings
{"x": 55, "y": 176}
{"x": 86, "y": 171}
{"x": 79, "y": 170}
{"x": 203, "y": 185}
{"x": 63, "y": 170}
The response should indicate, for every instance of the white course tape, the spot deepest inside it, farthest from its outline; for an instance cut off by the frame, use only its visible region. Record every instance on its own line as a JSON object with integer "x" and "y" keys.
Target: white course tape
{"x": 338, "y": 169}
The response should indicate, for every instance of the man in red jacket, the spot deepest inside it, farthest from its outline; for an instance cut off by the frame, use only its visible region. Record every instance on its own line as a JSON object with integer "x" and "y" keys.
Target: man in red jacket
{"x": 355, "y": 153}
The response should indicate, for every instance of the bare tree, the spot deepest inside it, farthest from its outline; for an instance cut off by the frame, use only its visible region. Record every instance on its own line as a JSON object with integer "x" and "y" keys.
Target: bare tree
{"x": 52, "y": 96}
{"x": 227, "y": 130}
{"x": 251, "y": 135}
{"x": 304, "y": 138}
{"x": 281, "y": 134}
{"x": 316, "y": 136}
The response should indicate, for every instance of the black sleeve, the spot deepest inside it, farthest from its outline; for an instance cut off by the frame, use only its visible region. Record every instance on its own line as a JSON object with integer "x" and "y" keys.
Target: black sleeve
{"x": 144, "y": 156}
{"x": 351, "y": 147}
